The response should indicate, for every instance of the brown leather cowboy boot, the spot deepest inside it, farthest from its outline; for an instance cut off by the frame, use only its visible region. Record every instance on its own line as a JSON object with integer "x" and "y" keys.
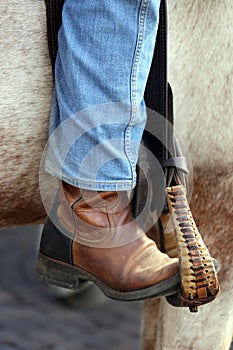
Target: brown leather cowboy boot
{"x": 93, "y": 236}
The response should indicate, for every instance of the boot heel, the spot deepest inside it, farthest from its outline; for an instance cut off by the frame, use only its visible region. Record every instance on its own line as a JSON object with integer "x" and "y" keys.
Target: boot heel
{"x": 57, "y": 273}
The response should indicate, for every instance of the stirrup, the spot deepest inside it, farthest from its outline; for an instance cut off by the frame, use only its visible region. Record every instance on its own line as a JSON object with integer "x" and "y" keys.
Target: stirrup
{"x": 199, "y": 282}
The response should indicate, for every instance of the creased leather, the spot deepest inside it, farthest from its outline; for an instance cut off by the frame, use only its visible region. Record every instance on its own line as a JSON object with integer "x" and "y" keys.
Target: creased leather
{"x": 125, "y": 267}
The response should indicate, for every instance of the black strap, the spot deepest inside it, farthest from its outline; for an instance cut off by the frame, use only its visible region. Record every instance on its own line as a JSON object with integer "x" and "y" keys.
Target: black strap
{"x": 156, "y": 92}
{"x": 54, "y": 20}
{"x": 156, "y": 88}
{"x": 176, "y": 162}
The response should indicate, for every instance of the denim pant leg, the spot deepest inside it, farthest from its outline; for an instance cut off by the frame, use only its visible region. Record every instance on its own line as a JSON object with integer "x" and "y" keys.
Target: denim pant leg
{"x": 97, "y": 116}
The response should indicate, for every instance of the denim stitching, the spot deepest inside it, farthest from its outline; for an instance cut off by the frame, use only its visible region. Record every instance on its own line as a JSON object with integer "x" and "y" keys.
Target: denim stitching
{"x": 140, "y": 35}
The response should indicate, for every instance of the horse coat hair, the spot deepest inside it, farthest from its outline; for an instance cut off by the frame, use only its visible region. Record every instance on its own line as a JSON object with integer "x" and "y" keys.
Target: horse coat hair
{"x": 201, "y": 74}
{"x": 25, "y": 93}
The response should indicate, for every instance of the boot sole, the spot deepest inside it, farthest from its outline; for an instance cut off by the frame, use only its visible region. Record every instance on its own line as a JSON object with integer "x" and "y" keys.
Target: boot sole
{"x": 72, "y": 277}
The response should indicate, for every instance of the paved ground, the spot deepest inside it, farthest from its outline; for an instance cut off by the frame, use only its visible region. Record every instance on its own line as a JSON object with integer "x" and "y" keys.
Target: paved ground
{"x": 32, "y": 317}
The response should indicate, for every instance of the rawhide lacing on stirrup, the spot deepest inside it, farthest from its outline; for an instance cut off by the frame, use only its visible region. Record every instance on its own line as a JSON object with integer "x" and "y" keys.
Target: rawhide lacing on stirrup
{"x": 199, "y": 283}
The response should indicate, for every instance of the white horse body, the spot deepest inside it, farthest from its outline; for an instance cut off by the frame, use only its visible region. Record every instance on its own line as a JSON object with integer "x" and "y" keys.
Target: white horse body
{"x": 201, "y": 74}
{"x": 25, "y": 94}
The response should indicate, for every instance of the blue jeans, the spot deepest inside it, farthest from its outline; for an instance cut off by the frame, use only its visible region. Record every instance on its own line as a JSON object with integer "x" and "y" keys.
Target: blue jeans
{"x": 97, "y": 116}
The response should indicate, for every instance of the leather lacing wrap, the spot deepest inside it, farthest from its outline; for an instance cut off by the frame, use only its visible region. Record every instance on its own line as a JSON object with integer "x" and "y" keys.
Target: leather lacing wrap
{"x": 199, "y": 283}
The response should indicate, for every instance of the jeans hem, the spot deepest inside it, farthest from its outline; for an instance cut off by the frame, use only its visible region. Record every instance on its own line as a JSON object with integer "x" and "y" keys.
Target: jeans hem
{"x": 91, "y": 185}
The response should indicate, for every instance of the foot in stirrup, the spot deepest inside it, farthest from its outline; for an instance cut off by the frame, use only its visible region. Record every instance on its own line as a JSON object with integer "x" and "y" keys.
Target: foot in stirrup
{"x": 93, "y": 236}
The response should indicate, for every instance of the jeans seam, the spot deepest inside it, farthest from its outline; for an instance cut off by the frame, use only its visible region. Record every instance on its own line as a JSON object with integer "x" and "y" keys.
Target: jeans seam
{"x": 133, "y": 80}
{"x": 141, "y": 28}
